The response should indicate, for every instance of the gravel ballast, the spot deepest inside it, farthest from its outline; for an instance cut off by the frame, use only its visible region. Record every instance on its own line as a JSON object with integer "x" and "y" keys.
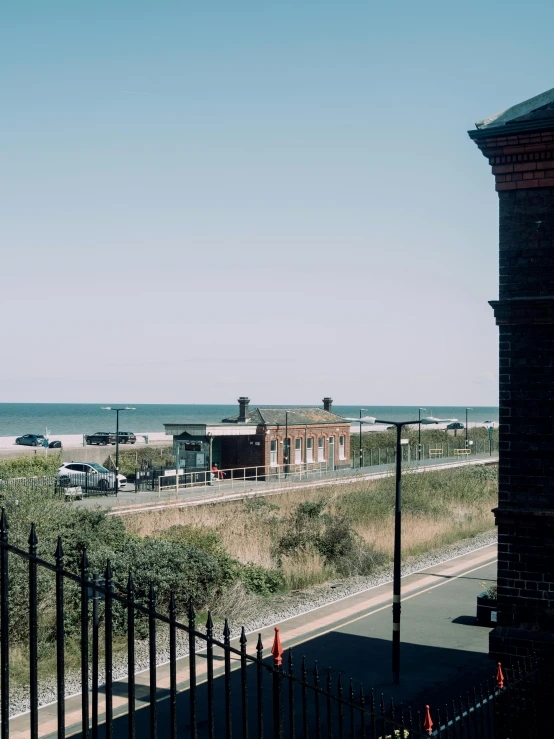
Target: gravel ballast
{"x": 268, "y": 611}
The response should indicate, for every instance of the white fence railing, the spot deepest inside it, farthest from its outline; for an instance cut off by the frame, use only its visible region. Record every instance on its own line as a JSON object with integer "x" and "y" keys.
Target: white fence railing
{"x": 243, "y": 477}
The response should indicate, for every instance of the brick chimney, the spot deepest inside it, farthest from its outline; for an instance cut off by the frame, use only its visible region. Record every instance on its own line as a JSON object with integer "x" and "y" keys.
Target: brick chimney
{"x": 519, "y": 145}
{"x": 328, "y": 404}
{"x": 243, "y": 408}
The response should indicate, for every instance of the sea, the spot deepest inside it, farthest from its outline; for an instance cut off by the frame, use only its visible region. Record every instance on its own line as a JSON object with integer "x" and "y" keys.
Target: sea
{"x": 83, "y": 418}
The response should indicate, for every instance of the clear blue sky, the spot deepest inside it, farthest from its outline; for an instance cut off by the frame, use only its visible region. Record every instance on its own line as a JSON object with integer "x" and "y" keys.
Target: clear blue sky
{"x": 208, "y": 199}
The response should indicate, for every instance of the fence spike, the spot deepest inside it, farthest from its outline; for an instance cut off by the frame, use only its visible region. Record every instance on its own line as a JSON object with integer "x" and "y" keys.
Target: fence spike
{"x": 226, "y": 632}
{"x": 4, "y": 526}
{"x": 428, "y": 721}
{"x": 277, "y": 650}
{"x": 259, "y": 647}
{"x": 59, "y": 552}
{"x": 172, "y": 606}
{"x": 130, "y": 586}
{"x": 192, "y": 615}
{"x": 84, "y": 561}
{"x": 499, "y": 676}
{"x": 243, "y": 640}
{"x": 209, "y": 626}
{"x": 152, "y": 595}
{"x": 33, "y": 539}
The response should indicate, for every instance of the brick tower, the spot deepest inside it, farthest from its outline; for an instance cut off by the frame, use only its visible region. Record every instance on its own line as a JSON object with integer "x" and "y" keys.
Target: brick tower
{"x": 519, "y": 144}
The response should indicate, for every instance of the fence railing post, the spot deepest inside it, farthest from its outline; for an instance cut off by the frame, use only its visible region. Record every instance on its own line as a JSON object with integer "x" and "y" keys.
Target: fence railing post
{"x": 84, "y": 646}
{"x": 108, "y": 649}
{"x": 33, "y": 634}
{"x": 60, "y": 637}
{"x": 277, "y": 652}
{"x": 131, "y": 725}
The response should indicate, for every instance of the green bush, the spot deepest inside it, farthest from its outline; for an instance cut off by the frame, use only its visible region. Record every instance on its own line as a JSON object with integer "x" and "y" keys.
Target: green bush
{"x": 331, "y": 535}
{"x": 131, "y": 459}
{"x": 260, "y": 581}
{"x": 31, "y": 465}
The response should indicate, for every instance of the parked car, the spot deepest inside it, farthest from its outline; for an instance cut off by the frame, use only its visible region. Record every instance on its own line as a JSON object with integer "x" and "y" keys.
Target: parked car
{"x": 126, "y": 437}
{"x": 32, "y": 440}
{"x": 88, "y": 475}
{"x": 100, "y": 437}
{"x": 455, "y": 425}
{"x": 55, "y": 444}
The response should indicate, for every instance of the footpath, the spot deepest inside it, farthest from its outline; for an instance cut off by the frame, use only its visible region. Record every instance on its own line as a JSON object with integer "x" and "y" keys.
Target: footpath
{"x": 443, "y": 650}
{"x": 129, "y": 501}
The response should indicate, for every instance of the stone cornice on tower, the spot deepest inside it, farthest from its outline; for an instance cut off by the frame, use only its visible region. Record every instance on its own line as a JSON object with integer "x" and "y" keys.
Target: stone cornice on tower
{"x": 519, "y": 144}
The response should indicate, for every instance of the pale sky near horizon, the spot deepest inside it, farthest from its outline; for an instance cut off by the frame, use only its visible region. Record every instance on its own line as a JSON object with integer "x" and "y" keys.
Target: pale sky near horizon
{"x": 203, "y": 200}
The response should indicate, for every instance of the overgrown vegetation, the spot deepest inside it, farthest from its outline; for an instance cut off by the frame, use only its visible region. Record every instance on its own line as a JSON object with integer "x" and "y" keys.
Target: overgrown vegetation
{"x": 429, "y": 437}
{"x": 31, "y": 465}
{"x": 131, "y": 459}
{"x": 313, "y": 535}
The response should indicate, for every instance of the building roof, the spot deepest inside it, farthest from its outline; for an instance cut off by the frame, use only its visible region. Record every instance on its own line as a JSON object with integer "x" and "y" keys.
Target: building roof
{"x": 296, "y": 417}
{"x": 536, "y": 111}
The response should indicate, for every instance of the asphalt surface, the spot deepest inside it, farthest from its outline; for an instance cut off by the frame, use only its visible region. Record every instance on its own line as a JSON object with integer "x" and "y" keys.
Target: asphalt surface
{"x": 443, "y": 651}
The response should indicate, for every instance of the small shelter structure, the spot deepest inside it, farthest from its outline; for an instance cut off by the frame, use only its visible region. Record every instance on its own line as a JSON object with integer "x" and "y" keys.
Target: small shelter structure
{"x": 265, "y": 440}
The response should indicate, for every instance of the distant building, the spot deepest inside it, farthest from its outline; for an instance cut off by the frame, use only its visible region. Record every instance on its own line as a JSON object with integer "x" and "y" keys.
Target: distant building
{"x": 261, "y": 437}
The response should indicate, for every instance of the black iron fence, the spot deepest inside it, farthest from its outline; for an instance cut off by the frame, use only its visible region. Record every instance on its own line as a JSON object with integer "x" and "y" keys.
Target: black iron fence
{"x": 219, "y": 689}
{"x": 69, "y": 484}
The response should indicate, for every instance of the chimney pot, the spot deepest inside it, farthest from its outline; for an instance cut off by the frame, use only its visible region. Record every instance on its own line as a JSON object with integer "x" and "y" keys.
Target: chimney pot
{"x": 243, "y": 407}
{"x": 328, "y": 404}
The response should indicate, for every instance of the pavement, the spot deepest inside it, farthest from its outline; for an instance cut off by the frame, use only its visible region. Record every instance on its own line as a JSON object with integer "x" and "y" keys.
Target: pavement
{"x": 129, "y": 501}
{"x": 443, "y": 651}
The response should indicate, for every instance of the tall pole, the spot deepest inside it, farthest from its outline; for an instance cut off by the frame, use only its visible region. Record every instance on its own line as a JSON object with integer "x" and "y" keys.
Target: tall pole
{"x": 396, "y": 582}
{"x": 419, "y": 435}
{"x": 396, "y": 606}
{"x": 361, "y": 450}
{"x": 467, "y": 409}
{"x": 116, "y": 450}
{"x": 286, "y": 442}
{"x": 109, "y": 408}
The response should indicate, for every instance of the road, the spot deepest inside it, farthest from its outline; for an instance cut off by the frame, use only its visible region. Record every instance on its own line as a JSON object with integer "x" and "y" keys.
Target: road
{"x": 444, "y": 651}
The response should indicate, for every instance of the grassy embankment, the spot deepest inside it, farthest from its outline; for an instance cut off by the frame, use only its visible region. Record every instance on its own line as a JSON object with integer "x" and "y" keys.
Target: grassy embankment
{"x": 438, "y": 509}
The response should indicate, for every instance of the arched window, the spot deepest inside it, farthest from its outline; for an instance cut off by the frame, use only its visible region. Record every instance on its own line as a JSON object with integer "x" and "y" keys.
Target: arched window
{"x": 310, "y": 449}
{"x": 321, "y": 449}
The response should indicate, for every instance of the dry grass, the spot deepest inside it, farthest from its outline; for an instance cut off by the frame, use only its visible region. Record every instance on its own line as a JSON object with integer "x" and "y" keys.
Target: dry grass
{"x": 439, "y": 508}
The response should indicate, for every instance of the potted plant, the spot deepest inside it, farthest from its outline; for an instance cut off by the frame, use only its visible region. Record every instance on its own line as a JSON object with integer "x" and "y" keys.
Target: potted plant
{"x": 487, "y": 605}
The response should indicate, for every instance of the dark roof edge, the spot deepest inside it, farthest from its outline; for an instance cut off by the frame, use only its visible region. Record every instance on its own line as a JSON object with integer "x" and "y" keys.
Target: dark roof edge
{"x": 508, "y": 129}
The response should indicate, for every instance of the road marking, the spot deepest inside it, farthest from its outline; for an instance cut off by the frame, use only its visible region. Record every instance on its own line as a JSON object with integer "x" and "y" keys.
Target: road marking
{"x": 302, "y": 633}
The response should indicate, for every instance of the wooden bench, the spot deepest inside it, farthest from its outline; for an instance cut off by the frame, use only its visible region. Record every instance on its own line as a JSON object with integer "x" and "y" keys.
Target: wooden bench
{"x": 462, "y": 452}
{"x": 434, "y": 453}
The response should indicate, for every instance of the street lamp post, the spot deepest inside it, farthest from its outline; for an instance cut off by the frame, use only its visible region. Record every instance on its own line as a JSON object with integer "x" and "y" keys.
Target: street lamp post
{"x": 286, "y": 449}
{"x": 117, "y": 412}
{"x": 467, "y": 409}
{"x": 361, "y": 450}
{"x": 419, "y": 434}
{"x": 396, "y": 600}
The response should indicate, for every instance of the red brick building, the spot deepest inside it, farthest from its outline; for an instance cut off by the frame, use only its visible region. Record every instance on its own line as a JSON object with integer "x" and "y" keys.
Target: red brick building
{"x": 264, "y": 438}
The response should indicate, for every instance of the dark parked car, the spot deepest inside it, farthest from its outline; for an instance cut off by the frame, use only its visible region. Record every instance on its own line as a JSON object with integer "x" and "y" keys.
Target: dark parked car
{"x": 127, "y": 437}
{"x": 32, "y": 440}
{"x": 55, "y": 444}
{"x": 100, "y": 437}
{"x": 455, "y": 425}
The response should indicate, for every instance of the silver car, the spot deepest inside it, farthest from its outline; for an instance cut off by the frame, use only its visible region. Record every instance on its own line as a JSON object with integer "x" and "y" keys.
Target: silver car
{"x": 89, "y": 476}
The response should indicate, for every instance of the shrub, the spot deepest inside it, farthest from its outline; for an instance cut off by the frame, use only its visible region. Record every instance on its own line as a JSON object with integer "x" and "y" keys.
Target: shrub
{"x": 258, "y": 580}
{"x": 331, "y": 536}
